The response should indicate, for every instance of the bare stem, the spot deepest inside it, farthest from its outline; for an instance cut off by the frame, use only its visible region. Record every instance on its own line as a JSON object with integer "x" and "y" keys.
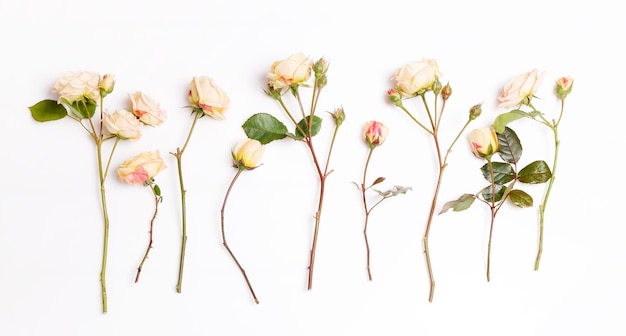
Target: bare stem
{"x": 243, "y": 272}
{"x": 105, "y": 214}
{"x": 179, "y": 158}
{"x": 157, "y": 200}
{"x": 367, "y": 211}
{"x": 493, "y": 216}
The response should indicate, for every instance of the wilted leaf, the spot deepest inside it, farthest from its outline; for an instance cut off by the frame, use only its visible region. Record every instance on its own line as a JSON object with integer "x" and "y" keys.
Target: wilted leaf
{"x": 47, "y": 110}
{"x": 536, "y": 172}
{"x": 393, "y": 192}
{"x": 463, "y": 203}
{"x": 378, "y": 180}
{"x": 264, "y": 128}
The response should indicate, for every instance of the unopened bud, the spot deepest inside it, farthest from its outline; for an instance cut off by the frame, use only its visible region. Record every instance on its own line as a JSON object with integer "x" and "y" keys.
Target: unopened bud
{"x": 564, "y": 87}
{"x": 395, "y": 97}
{"x": 339, "y": 116}
{"x": 106, "y": 84}
{"x": 320, "y": 67}
{"x": 475, "y": 111}
{"x": 436, "y": 86}
{"x": 446, "y": 92}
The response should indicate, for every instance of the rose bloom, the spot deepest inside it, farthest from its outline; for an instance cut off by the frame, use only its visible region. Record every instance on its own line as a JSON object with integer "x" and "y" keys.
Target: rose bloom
{"x": 289, "y": 72}
{"x": 75, "y": 86}
{"x": 416, "y": 76}
{"x": 204, "y": 94}
{"x": 483, "y": 142}
{"x": 520, "y": 88}
{"x": 375, "y": 133}
{"x": 147, "y": 109}
{"x": 247, "y": 154}
{"x": 123, "y": 124}
{"x": 141, "y": 168}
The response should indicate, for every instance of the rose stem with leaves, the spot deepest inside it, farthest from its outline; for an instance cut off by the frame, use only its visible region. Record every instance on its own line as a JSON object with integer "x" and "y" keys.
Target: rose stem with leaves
{"x": 435, "y": 121}
{"x": 157, "y": 200}
{"x": 179, "y": 157}
{"x": 243, "y": 272}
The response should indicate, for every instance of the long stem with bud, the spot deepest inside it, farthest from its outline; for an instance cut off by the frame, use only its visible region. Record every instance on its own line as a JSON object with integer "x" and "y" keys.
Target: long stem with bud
{"x": 157, "y": 200}
{"x": 232, "y": 255}
{"x": 179, "y": 156}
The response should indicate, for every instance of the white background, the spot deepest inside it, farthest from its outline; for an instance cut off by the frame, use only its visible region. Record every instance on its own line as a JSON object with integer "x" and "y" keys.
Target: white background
{"x": 50, "y": 215}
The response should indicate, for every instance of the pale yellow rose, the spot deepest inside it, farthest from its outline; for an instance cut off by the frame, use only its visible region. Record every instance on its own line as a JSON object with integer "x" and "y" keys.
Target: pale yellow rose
{"x": 141, "y": 168}
{"x": 483, "y": 141}
{"x": 205, "y": 95}
{"x": 417, "y": 76}
{"x": 520, "y": 88}
{"x": 75, "y": 86}
{"x": 123, "y": 124}
{"x": 107, "y": 83}
{"x": 289, "y": 72}
{"x": 247, "y": 154}
{"x": 147, "y": 109}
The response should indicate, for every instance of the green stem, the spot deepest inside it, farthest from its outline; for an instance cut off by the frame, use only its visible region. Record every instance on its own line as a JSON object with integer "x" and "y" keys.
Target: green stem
{"x": 106, "y": 226}
{"x": 157, "y": 200}
{"x": 232, "y": 255}
{"x": 179, "y": 156}
{"x": 542, "y": 207}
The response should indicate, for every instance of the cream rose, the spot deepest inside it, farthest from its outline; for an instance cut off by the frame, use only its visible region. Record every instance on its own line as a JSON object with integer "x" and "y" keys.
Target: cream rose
{"x": 141, "y": 168}
{"x": 483, "y": 141}
{"x": 204, "y": 94}
{"x": 291, "y": 71}
{"x": 147, "y": 109}
{"x": 247, "y": 154}
{"x": 416, "y": 76}
{"x": 123, "y": 124}
{"x": 520, "y": 88}
{"x": 106, "y": 84}
{"x": 75, "y": 86}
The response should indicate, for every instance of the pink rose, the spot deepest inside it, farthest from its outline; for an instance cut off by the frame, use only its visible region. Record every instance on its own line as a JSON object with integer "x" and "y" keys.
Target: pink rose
{"x": 375, "y": 133}
{"x": 141, "y": 168}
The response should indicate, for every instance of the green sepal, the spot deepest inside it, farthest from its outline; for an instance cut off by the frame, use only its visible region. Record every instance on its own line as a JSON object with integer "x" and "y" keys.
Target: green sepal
{"x": 47, "y": 110}
{"x": 304, "y": 126}
{"x": 462, "y": 203}
{"x": 265, "y": 128}
{"x": 510, "y": 148}
{"x": 499, "y": 191}
{"x": 502, "y": 172}
{"x": 520, "y": 198}
{"x": 536, "y": 172}
{"x": 85, "y": 109}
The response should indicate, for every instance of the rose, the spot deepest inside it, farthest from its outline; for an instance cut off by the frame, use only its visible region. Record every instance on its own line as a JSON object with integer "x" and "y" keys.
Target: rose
{"x": 520, "y": 88}
{"x": 290, "y": 72}
{"x": 141, "y": 168}
{"x": 416, "y": 77}
{"x": 375, "y": 133}
{"x": 147, "y": 109}
{"x": 205, "y": 95}
{"x": 564, "y": 86}
{"x": 483, "y": 142}
{"x": 76, "y": 86}
{"x": 122, "y": 124}
{"x": 247, "y": 154}
{"x": 106, "y": 84}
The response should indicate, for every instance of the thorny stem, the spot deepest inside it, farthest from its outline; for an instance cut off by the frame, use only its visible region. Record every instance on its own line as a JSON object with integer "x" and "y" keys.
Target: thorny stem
{"x": 157, "y": 200}
{"x": 367, "y": 211}
{"x": 243, "y": 272}
{"x": 542, "y": 207}
{"x": 179, "y": 157}
{"x": 493, "y": 215}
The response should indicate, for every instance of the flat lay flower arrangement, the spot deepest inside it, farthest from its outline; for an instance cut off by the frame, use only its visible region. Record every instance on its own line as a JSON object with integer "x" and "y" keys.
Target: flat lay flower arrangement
{"x": 295, "y": 83}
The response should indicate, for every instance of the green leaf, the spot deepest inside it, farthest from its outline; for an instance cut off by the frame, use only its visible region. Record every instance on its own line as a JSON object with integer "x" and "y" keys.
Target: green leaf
{"x": 47, "y": 110}
{"x": 510, "y": 149}
{"x": 536, "y": 172}
{"x": 303, "y": 124}
{"x": 502, "y": 172}
{"x": 157, "y": 190}
{"x": 520, "y": 198}
{"x": 486, "y": 192}
{"x": 85, "y": 109}
{"x": 264, "y": 128}
{"x": 503, "y": 119}
{"x": 463, "y": 203}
